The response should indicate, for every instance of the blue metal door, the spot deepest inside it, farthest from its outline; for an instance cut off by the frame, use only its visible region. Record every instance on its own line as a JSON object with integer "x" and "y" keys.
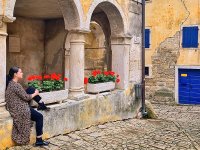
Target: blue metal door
{"x": 189, "y": 86}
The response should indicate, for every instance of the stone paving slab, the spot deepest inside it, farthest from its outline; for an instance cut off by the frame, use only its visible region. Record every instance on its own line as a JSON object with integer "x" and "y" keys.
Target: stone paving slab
{"x": 177, "y": 128}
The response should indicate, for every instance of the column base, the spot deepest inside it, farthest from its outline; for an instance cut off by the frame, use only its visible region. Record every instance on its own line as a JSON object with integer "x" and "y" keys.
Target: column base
{"x": 77, "y": 95}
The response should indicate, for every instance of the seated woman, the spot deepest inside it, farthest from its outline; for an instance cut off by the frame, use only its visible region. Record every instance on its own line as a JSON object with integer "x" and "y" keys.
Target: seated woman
{"x": 37, "y": 98}
{"x": 17, "y": 104}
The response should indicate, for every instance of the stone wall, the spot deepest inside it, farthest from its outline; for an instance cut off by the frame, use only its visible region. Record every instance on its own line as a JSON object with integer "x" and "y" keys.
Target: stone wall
{"x": 55, "y": 34}
{"x": 161, "y": 87}
{"x": 41, "y": 46}
{"x": 31, "y": 55}
{"x": 95, "y": 50}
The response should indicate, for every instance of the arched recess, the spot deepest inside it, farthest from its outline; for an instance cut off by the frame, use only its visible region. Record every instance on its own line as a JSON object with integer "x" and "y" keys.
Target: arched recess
{"x": 72, "y": 13}
{"x": 115, "y": 14}
{"x": 60, "y": 15}
{"x": 103, "y": 21}
{"x": 118, "y": 42}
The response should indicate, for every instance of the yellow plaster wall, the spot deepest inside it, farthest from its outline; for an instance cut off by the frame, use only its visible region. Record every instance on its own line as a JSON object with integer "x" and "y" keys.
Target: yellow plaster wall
{"x": 87, "y": 3}
{"x": 165, "y": 18}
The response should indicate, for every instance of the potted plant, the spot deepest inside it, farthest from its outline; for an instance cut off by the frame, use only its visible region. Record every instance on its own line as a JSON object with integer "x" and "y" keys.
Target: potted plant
{"x": 51, "y": 87}
{"x": 101, "y": 81}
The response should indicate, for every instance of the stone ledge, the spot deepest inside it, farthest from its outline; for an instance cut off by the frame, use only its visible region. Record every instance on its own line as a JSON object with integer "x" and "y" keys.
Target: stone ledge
{"x": 75, "y": 115}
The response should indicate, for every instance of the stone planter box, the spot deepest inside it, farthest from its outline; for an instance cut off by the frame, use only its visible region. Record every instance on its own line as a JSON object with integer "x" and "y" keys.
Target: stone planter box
{"x": 100, "y": 87}
{"x": 53, "y": 97}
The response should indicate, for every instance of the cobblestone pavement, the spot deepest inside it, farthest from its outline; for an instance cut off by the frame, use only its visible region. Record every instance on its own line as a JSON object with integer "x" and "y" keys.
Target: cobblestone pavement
{"x": 177, "y": 128}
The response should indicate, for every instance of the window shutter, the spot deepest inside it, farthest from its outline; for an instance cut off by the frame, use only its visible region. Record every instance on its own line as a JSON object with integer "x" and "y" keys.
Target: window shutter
{"x": 147, "y": 38}
{"x": 190, "y": 37}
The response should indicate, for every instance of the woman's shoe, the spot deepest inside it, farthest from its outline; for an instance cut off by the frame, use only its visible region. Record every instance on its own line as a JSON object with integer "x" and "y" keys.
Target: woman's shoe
{"x": 42, "y": 143}
{"x": 42, "y": 106}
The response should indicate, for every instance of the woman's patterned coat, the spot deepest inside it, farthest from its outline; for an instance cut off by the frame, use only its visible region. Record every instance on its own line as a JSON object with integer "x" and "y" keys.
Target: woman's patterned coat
{"x": 17, "y": 104}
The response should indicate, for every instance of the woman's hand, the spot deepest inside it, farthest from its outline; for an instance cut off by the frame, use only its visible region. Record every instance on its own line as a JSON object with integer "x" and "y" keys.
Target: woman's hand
{"x": 36, "y": 93}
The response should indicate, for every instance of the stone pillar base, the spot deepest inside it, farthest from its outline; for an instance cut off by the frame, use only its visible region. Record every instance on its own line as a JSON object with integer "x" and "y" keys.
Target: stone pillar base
{"x": 77, "y": 96}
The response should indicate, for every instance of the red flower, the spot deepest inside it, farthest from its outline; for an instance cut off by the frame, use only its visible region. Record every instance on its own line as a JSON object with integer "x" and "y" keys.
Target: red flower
{"x": 94, "y": 73}
{"x": 117, "y": 75}
{"x": 118, "y": 80}
{"x": 47, "y": 77}
{"x": 30, "y": 78}
{"x": 39, "y": 77}
{"x": 85, "y": 80}
{"x": 98, "y": 71}
{"x": 65, "y": 79}
{"x": 106, "y": 73}
{"x": 54, "y": 76}
{"x": 111, "y": 73}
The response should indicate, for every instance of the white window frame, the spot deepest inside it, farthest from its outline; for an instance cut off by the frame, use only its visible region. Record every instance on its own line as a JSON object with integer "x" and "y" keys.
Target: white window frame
{"x": 150, "y": 71}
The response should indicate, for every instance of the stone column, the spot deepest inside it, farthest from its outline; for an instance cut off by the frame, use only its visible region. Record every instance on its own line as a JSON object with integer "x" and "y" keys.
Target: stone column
{"x": 120, "y": 59}
{"x": 3, "y": 36}
{"x": 76, "y": 75}
{"x": 67, "y": 60}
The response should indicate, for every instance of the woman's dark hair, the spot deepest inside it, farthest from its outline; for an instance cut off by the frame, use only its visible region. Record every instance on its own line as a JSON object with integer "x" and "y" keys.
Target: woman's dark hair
{"x": 10, "y": 75}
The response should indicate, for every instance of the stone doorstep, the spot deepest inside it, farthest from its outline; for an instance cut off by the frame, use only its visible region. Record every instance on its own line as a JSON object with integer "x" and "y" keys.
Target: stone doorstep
{"x": 75, "y": 115}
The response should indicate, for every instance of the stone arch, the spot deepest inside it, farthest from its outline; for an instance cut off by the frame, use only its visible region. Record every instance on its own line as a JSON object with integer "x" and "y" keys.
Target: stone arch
{"x": 72, "y": 13}
{"x": 114, "y": 12}
{"x": 71, "y": 10}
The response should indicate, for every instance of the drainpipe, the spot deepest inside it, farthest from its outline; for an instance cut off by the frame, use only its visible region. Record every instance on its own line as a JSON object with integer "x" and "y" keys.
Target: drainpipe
{"x": 144, "y": 113}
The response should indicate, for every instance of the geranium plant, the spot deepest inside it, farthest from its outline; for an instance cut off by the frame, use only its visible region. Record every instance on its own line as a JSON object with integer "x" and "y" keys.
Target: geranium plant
{"x": 99, "y": 77}
{"x": 46, "y": 83}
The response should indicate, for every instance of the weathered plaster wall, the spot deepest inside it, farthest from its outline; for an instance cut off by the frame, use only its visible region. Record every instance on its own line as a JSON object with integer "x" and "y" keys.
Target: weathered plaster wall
{"x": 31, "y": 55}
{"x": 54, "y": 45}
{"x": 165, "y": 19}
{"x": 135, "y": 29}
{"x": 188, "y": 56}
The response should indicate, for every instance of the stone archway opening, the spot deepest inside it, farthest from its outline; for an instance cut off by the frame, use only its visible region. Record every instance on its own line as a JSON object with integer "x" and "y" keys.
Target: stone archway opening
{"x": 115, "y": 16}
{"x": 109, "y": 15}
{"x": 36, "y": 39}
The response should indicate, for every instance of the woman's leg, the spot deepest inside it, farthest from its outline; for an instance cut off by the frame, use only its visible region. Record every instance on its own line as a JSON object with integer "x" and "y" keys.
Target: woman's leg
{"x": 38, "y": 118}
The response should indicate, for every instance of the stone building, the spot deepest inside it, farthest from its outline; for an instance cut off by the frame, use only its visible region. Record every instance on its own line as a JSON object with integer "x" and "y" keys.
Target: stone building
{"x": 172, "y": 51}
{"x": 73, "y": 37}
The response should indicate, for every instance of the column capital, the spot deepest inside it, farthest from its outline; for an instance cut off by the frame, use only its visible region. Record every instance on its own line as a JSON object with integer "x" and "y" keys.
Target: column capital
{"x": 77, "y": 36}
{"x": 3, "y": 24}
{"x": 121, "y": 40}
{"x": 7, "y": 19}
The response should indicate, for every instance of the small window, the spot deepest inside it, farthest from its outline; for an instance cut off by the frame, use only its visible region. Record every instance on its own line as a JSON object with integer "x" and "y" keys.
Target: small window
{"x": 147, "y": 38}
{"x": 190, "y": 37}
{"x": 146, "y": 71}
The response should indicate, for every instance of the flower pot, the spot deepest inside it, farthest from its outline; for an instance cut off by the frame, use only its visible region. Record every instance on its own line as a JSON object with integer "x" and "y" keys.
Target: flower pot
{"x": 100, "y": 87}
{"x": 52, "y": 97}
